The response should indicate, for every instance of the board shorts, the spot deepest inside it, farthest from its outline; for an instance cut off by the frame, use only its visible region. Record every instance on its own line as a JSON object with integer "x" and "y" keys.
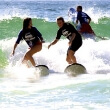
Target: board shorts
{"x": 86, "y": 28}
{"x": 76, "y": 44}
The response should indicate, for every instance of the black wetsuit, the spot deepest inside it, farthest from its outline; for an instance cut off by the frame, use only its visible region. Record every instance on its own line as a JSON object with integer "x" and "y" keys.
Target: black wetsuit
{"x": 31, "y": 36}
{"x": 67, "y": 30}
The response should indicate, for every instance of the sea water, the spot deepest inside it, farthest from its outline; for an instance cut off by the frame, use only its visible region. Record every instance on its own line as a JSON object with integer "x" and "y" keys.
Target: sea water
{"x": 22, "y": 88}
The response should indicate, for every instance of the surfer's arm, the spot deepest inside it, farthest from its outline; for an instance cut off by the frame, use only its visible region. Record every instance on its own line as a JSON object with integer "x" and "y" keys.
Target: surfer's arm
{"x": 72, "y": 38}
{"x": 76, "y": 21}
{"x": 17, "y": 41}
{"x": 53, "y": 43}
{"x": 59, "y": 33}
{"x": 15, "y": 45}
{"x": 89, "y": 20}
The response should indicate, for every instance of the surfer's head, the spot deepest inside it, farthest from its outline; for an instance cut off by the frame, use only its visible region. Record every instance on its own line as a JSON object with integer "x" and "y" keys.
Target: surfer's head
{"x": 60, "y": 21}
{"x": 27, "y": 23}
{"x": 79, "y": 8}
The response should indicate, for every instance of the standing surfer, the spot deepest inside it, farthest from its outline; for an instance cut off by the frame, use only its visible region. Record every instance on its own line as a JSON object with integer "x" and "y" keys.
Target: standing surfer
{"x": 75, "y": 40}
{"x": 32, "y": 37}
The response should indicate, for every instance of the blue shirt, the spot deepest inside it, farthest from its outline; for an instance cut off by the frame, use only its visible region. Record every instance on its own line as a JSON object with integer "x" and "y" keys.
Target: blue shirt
{"x": 31, "y": 36}
{"x": 82, "y": 17}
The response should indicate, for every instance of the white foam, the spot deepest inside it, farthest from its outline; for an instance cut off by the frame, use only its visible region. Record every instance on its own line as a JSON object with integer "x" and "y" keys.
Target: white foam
{"x": 9, "y": 13}
{"x": 98, "y": 13}
{"x": 93, "y": 55}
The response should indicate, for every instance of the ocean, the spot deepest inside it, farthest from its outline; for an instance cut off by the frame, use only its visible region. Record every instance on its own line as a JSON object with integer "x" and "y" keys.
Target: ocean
{"x": 22, "y": 89}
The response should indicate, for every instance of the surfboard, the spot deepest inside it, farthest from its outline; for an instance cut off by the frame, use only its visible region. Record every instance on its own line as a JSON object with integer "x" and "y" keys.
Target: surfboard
{"x": 43, "y": 70}
{"x": 75, "y": 69}
{"x": 72, "y": 14}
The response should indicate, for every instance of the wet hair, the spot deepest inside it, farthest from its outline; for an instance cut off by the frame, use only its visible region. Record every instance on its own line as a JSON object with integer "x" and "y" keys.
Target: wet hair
{"x": 80, "y": 7}
{"x": 26, "y": 23}
{"x": 60, "y": 18}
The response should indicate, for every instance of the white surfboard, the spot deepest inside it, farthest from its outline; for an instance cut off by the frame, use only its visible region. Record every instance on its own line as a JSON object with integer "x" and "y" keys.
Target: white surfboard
{"x": 75, "y": 69}
{"x": 72, "y": 15}
{"x": 43, "y": 70}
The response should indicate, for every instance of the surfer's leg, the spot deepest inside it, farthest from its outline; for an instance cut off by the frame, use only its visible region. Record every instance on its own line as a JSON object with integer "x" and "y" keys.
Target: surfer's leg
{"x": 76, "y": 44}
{"x": 24, "y": 60}
{"x": 29, "y": 54}
{"x": 68, "y": 60}
{"x": 71, "y": 56}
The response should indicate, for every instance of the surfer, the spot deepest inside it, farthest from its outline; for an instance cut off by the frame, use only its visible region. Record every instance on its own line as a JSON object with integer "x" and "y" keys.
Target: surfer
{"x": 75, "y": 40}
{"x": 32, "y": 37}
{"x": 84, "y": 20}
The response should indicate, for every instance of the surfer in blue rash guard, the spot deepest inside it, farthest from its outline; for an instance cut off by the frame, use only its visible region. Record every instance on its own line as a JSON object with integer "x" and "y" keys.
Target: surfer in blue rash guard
{"x": 32, "y": 37}
{"x": 84, "y": 20}
{"x": 75, "y": 40}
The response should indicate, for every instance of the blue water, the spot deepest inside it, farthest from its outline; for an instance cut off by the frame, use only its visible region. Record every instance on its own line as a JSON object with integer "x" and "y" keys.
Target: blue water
{"x": 22, "y": 88}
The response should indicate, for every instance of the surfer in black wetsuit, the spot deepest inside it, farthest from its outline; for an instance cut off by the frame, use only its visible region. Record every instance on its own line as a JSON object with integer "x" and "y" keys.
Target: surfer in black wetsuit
{"x": 32, "y": 37}
{"x": 75, "y": 40}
